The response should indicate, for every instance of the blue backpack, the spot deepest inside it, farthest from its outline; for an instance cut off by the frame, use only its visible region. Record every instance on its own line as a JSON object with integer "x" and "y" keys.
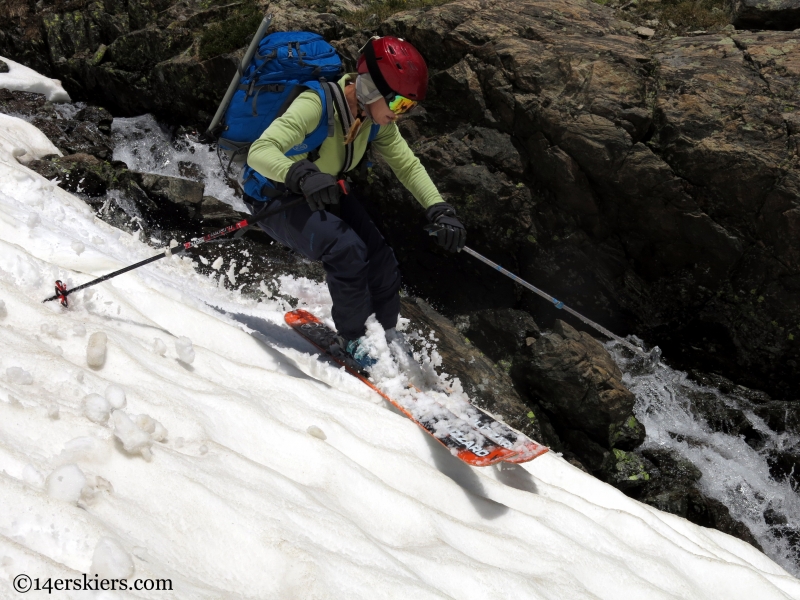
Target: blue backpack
{"x": 285, "y": 65}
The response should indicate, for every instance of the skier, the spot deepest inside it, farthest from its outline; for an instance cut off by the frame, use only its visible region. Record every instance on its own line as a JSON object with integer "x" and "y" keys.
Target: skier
{"x": 361, "y": 270}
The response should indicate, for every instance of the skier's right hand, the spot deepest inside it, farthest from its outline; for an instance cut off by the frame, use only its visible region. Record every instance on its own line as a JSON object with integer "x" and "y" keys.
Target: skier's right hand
{"x": 446, "y": 227}
{"x": 320, "y": 189}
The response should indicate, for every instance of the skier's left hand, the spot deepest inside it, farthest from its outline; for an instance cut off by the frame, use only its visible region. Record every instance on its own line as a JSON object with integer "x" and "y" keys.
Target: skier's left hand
{"x": 449, "y": 231}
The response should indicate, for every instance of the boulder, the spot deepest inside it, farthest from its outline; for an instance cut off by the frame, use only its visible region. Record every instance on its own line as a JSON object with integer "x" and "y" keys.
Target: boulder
{"x": 176, "y": 190}
{"x": 81, "y": 173}
{"x": 765, "y": 14}
{"x": 216, "y": 214}
{"x": 579, "y": 386}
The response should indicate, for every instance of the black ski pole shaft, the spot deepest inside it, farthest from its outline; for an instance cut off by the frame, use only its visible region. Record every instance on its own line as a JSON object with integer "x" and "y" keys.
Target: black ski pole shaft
{"x": 62, "y": 292}
{"x": 558, "y": 304}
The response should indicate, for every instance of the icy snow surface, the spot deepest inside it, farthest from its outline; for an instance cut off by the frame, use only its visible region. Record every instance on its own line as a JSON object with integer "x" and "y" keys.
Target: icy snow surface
{"x": 257, "y": 471}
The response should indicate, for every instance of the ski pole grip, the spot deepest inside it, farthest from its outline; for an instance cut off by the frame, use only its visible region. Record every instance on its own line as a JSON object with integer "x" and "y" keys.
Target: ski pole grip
{"x": 432, "y": 229}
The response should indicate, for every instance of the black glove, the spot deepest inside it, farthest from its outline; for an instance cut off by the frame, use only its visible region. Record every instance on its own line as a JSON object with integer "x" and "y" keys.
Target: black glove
{"x": 449, "y": 231}
{"x": 304, "y": 177}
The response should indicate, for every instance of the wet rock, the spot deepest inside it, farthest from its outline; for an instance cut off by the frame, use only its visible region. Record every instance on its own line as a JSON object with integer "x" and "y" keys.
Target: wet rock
{"x": 765, "y": 14}
{"x": 179, "y": 191}
{"x": 577, "y": 383}
{"x": 87, "y": 132}
{"x": 3, "y": 67}
{"x": 500, "y": 333}
{"x": 785, "y": 465}
{"x": 594, "y": 458}
{"x": 190, "y": 170}
{"x": 674, "y": 488}
{"x": 73, "y": 136}
{"x": 215, "y": 213}
{"x": 672, "y": 482}
{"x": 627, "y": 435}
{"x": 627, "y": 471}
{"x": 81, "y": 173}
{"x": 711, "y": 408}
{"x": 25, "y": 104}
{"x": 708, "y": 512}
{"x": 780, "y": 416}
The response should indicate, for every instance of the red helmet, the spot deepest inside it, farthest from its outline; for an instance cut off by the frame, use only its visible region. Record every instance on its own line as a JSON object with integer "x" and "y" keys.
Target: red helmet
{"x": 395, "y": 66}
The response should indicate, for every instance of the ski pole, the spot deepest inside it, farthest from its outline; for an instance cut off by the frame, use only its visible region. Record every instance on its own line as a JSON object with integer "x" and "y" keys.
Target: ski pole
{"x": 654, "y": 353}
{"x": 251, "y": 50}
{"x": 62, "y": 292}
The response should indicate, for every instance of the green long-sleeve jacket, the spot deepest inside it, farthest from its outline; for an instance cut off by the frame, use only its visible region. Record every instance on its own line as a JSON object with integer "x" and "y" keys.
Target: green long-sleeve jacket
{"x": 267, "y": 153}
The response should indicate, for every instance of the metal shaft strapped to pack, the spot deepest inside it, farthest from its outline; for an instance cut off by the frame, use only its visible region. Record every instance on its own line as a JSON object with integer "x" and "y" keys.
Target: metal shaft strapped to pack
{"x": 248, "y": 56}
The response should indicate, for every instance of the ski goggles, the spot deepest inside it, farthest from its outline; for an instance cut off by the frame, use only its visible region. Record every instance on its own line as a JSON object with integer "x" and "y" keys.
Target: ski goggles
{"x": 400, "y": 104}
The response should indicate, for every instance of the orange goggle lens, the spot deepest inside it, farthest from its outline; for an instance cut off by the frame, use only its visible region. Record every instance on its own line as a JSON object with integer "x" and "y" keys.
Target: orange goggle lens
{"x": 400, "y": 104}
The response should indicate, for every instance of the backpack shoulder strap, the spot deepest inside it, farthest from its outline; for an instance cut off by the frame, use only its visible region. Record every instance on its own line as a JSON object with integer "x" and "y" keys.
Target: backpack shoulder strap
{"x": 328, "y": 101}
{"x": 346, "y": 121}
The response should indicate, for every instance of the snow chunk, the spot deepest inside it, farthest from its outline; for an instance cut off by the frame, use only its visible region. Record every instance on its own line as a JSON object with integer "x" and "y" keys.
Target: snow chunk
{"x": 22, "y": 79}
{"x": 110, "y": 560}
{"x": 32, "y": 476}
{"x": 78, "y": 247}
{"x": 19, "y": 376}
{"x": 96, "y": 350}
{"x": 116, "y": 396}
{"x": 96, "y": 408}
{"x": 158, "y": 433}
{"x": 78, "y": 330}
{"x": 217, "y": 264}
{"x": 66, "y": 483}
{"x": 3, "y": 311}
{"x": 159, "y": 347}
{"x": 185, "y": 350}
{"x": 33, "y": 220}
{"x": 317, "y": 432}
{"x": 137, "y": 433}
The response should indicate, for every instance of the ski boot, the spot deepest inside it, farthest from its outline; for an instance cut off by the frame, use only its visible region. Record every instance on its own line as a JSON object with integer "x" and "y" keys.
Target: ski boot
{"x": 354, "y": 350}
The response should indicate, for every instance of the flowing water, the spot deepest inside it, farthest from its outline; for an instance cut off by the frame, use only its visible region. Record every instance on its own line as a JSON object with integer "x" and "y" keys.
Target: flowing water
{"x": 735, "y": 472}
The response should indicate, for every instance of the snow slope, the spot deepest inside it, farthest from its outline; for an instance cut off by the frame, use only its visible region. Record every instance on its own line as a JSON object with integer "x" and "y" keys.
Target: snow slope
{"x": 239, "y": 466}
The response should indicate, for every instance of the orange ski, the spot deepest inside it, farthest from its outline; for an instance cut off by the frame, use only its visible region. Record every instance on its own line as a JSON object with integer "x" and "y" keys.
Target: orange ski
{"x": 459, "y": 437}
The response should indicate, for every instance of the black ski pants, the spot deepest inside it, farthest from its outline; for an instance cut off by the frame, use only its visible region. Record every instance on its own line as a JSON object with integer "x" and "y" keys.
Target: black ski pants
{"x": 361, "y": 270}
